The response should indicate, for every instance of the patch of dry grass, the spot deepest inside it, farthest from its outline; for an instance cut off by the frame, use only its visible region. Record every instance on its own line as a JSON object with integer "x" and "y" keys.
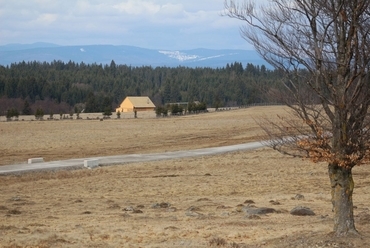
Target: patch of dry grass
{"x": 192, "y": 202}
{"x": 57, "y": 140}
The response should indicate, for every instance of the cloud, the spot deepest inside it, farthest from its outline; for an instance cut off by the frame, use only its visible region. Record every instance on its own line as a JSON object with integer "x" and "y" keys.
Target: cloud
{"x": 171, "y": 10}
{"x": 137, "y": 7}
{"x": 46, "y": 19}
{"x": 162, "y": 24}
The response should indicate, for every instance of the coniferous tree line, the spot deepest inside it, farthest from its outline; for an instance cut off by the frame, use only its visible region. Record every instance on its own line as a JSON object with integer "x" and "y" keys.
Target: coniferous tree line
{"x": 65, "y": 87}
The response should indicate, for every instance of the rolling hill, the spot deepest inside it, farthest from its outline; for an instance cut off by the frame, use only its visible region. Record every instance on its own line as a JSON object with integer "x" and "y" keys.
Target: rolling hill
{"x": 129, "y": 55}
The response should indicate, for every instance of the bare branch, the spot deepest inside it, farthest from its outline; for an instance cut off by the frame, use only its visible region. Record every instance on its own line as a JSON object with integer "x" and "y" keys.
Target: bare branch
{"x": 323, "y": 48}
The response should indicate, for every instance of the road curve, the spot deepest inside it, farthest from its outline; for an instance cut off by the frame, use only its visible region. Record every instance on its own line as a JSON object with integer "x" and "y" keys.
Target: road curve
{"x": 125, "y": 159}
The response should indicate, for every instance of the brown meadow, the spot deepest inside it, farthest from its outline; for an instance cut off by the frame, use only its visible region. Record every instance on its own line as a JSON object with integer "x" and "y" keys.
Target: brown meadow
{"x": 193, "y": 202}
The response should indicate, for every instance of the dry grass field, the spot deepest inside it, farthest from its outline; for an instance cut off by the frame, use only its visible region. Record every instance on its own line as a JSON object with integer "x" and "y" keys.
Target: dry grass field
{"x": 193, "y": 202}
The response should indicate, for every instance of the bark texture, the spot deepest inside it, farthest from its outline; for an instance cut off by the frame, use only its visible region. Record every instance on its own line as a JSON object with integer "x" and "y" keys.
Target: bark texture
{"x": 342, "y": 185}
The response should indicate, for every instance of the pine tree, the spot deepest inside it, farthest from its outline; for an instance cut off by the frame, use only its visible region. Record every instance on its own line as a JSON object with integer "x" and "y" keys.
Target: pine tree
{"x": 26, "y": 108}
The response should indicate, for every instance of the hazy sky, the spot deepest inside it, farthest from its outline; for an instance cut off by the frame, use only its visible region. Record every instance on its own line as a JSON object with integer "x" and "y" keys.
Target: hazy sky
{"x": 159, "y": 24}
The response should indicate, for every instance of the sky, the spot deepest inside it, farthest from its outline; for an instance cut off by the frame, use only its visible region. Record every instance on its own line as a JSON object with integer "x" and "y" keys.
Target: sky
{"x": 153, "y": 24}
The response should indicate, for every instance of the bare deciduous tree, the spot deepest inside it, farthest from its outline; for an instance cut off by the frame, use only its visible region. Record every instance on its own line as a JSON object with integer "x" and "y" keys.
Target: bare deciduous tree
{"x": 323, "y": 48}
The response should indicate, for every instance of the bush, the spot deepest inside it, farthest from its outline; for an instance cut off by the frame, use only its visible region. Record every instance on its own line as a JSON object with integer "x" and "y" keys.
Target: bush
{"x": 158, "y": 111}
{"x": 176, "y": 109}
{"x": 39, "y": 115}
{"x": 161, "y": 111}
{"x": 197, "y": 107}
{"x": 12, "y": 113}
{"x": 107, "y": 112}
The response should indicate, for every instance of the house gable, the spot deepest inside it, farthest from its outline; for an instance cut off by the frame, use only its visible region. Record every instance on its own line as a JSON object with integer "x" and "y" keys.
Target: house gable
{"x": 136, "y": 103}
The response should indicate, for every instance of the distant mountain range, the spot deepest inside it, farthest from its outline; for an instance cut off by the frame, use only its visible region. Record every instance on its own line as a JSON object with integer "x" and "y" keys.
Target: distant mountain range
{"x": 129, "y": 55}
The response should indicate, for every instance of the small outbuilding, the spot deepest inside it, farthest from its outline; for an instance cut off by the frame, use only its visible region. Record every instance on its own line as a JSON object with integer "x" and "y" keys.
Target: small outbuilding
{"x": 136, "y": 103}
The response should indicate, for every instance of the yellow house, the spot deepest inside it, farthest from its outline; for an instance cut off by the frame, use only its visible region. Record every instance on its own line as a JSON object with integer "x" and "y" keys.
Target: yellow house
{"x": 136, "y": 103}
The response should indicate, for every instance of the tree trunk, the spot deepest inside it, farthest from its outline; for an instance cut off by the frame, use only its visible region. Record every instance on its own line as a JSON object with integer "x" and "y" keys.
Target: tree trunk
{"x": 341, "y": 194}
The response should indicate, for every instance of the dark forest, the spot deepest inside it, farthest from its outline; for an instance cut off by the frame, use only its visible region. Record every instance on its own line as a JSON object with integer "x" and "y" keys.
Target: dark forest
{"x": 60, "y": 87}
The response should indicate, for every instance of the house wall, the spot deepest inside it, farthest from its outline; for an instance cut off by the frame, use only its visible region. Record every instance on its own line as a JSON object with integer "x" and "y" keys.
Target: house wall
{"x": 124, "y": 110}
{"x": 127, "y": 106}
{"x": 144, "y": 109}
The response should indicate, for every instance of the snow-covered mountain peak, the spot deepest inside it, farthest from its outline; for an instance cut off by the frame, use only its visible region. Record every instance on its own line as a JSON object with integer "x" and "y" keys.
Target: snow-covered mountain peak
{"x": 179, "y": 55}
{"x": 128, "y": 55}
